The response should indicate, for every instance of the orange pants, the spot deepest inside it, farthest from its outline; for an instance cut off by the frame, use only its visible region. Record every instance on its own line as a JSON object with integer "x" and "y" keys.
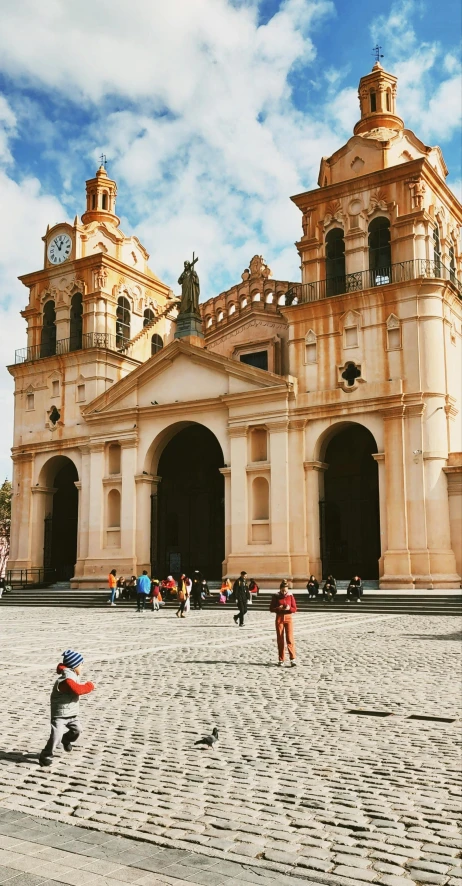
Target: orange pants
{"x": 285, "y": 625}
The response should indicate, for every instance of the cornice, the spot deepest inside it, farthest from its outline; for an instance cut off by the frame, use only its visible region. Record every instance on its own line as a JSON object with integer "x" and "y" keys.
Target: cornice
{"x": 147, "y": 478}
{"x": 237, "y": 430}
{"x": 315, "y": 466}
{"x": 90, "y": 262}
{"x": 262, "y": 467}
{"x": 54, "y": 446}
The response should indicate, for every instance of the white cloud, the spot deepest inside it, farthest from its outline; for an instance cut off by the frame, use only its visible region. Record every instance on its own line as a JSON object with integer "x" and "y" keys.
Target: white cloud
{"x": 430, "y": 105}
{"x": 24, "y": 214}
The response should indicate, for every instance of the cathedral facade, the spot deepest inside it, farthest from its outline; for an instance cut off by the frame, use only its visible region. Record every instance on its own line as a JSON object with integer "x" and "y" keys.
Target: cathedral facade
{"x": 300, "y": 427}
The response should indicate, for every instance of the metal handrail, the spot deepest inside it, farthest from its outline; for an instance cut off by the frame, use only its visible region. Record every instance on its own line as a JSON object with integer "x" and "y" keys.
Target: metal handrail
{"x": 68, "y": 345}
{"x": 370, "y": 279}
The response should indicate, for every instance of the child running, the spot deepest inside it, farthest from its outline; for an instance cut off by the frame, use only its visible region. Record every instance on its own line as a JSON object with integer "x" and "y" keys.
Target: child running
{"x": 64, "y": 702}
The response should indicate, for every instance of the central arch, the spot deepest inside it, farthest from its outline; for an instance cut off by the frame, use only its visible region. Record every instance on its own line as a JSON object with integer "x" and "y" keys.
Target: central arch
{"x": 190, "y": 507}
{"x": 61, "y": 517}
{"x": 349, "y": 510}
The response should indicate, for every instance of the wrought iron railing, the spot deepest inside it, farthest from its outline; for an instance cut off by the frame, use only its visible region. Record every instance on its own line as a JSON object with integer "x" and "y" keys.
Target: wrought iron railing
{"x": 23, "y": 578}
{"x": 67, "y": 345}
{"x": 397, "y": 273}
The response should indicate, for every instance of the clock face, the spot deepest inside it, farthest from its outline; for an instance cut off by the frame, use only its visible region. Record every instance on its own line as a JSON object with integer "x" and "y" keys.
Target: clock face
{"x": 59, "y": 249}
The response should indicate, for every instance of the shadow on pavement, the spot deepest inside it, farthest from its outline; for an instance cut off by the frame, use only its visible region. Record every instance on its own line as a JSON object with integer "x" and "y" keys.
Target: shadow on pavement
{"x": 457, "y": 635}
{"x": 17, "y": 757}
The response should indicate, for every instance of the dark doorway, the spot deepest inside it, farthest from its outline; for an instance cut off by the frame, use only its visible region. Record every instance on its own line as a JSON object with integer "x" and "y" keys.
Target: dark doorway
{"x": 350, "y": 523}
{"x": 60, "y": 545}
{"x": 190, "y": 508}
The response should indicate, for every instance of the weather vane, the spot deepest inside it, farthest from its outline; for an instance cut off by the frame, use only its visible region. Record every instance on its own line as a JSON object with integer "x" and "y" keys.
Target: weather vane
{"x": 376, "y": 52}
{"x": 103, "y": 160}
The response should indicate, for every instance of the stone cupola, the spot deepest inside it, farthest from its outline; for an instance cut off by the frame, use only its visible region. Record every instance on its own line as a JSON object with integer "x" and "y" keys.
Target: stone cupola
{"x": 377, "y": 99}
{"x": 101, "y": 198}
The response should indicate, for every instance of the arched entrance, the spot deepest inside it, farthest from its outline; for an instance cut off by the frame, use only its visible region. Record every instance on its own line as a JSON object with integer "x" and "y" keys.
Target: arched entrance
{"x": 60, "y": 536}
{"x": 190, "y": 507}
{"x": 350, "y": 522}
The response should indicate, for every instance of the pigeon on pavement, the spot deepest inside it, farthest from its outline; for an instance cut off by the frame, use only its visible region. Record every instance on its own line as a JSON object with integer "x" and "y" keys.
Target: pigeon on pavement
{"x": 209, "y": 740}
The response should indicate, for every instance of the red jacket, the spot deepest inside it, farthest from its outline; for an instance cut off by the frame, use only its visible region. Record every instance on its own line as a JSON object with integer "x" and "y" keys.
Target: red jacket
{"x": 72, "y": 685}
{"x": 278, "y": 602}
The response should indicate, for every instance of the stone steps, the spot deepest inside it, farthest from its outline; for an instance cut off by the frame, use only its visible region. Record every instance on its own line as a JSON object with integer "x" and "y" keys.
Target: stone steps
{"x": 434, "y": 603}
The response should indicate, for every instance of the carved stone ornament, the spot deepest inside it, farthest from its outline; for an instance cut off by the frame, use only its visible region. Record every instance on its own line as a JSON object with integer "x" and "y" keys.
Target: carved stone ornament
{"x": 333, "y": 213}
{"x": 378, "y": 201}
{"x": 100, "y": 278}
{"x": 258, "y": 267}
{"x": 306, "y": 222}
{"x": 417, "y": 188}
{"x": 63, "y": 289}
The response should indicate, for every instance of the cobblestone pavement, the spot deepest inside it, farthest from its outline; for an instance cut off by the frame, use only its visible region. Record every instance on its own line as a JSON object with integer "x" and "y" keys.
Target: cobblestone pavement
{"x": 297, "y": 785}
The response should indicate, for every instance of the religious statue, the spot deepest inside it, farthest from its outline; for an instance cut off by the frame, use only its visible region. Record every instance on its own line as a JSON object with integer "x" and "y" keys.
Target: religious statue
{"x": 190, "y": 289}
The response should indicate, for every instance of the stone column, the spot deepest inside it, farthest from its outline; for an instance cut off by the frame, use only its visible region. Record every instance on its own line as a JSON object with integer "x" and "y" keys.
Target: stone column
{"x": 297, "y": 506}
{"x": 83, "y": 485}
{"x": 397, "y": 564}
{"x": 127, "y": 514}
{"x": 379, "y": 457}
{"x": 279, "y": 496}
{"x": 313, "y": 478}
{"x": 238, "y": 480}
{"x": 21, "y": 505}
{"x": 146, "y": 486}
{"x": 96, "y": 509}
{"x": 226, "y": 472}
{"x": 42, "y": 506}
{"x": 443, "y": 571}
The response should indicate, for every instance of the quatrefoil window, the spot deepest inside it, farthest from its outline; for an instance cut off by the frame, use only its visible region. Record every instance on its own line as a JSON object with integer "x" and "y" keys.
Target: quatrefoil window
{"x": 351, "y": 373}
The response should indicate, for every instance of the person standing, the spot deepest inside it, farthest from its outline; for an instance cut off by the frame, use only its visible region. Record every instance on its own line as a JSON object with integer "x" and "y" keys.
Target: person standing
{"x": 284, "y": 605}
{"x": 196, "y": 591}
{"x": 112, "y": 582}
{"x": 312, "y": 588}
{"x": 241, "y": 594}
{"x": 181, "y": 596}
{"x": 143, "y": 587}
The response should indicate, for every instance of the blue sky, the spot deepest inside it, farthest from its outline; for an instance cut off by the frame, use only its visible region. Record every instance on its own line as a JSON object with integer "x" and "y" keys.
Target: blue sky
{"x": 211, "y": 113}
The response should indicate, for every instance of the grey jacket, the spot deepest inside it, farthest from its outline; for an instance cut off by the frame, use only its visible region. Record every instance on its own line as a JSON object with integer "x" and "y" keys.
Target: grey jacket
{"x": 65, "y": 703}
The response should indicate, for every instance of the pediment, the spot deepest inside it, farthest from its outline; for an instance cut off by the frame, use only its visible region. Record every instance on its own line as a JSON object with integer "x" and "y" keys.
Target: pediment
{"x": 182, "y": 373}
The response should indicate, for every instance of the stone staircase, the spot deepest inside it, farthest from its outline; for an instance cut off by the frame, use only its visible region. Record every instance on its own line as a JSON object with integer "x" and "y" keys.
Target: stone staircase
{"x": 391, "y": 602}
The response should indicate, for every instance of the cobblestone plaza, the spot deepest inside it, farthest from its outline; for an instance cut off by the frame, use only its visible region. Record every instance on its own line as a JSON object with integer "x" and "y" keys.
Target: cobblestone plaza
{"x": 298, "y": 790}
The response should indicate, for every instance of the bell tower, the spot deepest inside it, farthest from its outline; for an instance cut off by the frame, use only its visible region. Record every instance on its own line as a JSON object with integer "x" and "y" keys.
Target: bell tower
{"x": 377, "y": 100}
{"x": 101, "y": 199}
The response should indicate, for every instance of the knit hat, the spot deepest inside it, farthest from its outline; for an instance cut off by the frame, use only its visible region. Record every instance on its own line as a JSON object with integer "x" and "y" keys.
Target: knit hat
{"x": 72, "y": 659}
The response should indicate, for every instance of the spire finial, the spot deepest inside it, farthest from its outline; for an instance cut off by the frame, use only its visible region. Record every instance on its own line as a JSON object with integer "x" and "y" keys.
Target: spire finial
{"x": 377, "y": 53}
{"x": 103, "y": 160}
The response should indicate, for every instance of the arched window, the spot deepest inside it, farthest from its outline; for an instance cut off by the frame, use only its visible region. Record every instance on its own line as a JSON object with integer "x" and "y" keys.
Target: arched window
{"x": 388, "y": 99}
{"x": 114, "y": 458}
{"x": 148, "y": 316}
{"x": 373, "y": 98}
{"x": 113, "y": 509}
{"x": 123, "y": 321}
{"x": 48, "y": 338}
{"x": 93, "y": 201}
{"x": 260, "y": 499}
{"x": 437, "y": 251}
{"x": 156, "y": 344}
{"x": 335, "y": 262}
{"x": 104, "y": 201}
{"x": 379, "y": 251}
{"x": 75, "y": 328}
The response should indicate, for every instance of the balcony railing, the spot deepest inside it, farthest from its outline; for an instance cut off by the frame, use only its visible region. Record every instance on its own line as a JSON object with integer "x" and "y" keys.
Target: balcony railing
{"x": 67, "y": 345}
{"x": 397, "y": 273}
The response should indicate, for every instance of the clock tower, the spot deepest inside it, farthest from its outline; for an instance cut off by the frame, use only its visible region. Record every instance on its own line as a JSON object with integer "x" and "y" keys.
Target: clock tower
{"x": 95, "y": 312}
